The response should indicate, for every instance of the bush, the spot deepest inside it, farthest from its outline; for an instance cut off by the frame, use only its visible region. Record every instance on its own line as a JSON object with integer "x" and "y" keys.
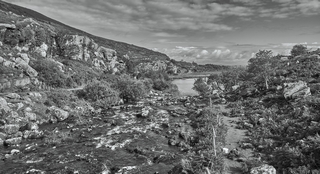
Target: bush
{"x": 101, "y": 94}
{"x": 49, "y": 73}
{"x": 60, "y": 98}
{"x": 130, "y": 89}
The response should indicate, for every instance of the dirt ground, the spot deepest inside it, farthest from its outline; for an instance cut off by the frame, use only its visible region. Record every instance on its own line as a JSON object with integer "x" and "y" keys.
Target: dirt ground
{"x": 234, "y": 136}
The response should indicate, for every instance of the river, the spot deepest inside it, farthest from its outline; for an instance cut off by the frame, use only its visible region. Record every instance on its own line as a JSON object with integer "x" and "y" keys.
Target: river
{"x": 185, "y": 86}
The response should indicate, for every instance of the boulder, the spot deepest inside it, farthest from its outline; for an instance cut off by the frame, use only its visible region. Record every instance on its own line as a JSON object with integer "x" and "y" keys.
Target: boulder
{"x": 60, "y": 114}
{"x": 25, "y": 57}
{"x": 4, "y": 105}
{"x": 263, "y": 169}
{"x": 13, "y": 141}
{"x": 14, "y": 96}
{"x": 11, "y": 26}
{"x": 31, "y": 72}
{"x": 22, "y": 82}
{"x": 34, "y": 134}
{"x": 11, "y": 128}
{"x": 30, "y": 116}
{"x": 3, "y": 136}
{"x": 296, "y": 90}
{"x": 42, "y": 50}
{"x": 235, "y": 87}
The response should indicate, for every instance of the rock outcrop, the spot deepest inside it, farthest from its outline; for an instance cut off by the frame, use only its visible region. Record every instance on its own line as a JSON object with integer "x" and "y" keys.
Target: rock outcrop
{"x": 296, "y": 90}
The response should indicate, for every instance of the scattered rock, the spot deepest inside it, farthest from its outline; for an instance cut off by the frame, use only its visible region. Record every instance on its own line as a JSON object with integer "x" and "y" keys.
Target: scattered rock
{"x": 263, "y": 169}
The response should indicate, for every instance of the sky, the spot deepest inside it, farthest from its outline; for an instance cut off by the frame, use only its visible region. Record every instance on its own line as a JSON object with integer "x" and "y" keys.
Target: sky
{"x": 227, "y": 32}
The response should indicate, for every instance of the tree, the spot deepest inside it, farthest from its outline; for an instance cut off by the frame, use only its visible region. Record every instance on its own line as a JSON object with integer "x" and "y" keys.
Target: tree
{"x": 201, "y": 87}
{"x": 261, "y": 66}
{"x": 298, "y": 50}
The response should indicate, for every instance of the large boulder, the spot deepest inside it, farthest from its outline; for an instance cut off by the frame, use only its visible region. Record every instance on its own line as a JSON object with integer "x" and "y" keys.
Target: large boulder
{"x": 263, "y": 169}
{"x": 60, "y": 114}
{"x": 296, "y": 90}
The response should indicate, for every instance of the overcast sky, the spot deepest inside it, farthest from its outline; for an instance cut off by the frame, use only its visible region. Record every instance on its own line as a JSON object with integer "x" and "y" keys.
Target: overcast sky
{"x": 204, "y": 31}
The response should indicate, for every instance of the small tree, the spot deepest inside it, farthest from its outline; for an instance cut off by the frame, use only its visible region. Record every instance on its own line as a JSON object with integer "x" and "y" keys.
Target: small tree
{"x": 201, "y": 87}
{"x": 299, "y": 50}
{"x": 261, "y": 66}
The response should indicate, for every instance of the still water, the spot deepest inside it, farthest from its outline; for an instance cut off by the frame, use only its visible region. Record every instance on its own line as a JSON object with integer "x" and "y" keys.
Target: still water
{"x": 185, "y": 86}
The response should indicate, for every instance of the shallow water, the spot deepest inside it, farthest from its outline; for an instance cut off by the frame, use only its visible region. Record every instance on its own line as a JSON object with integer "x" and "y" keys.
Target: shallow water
{"x": 185, "y": 86}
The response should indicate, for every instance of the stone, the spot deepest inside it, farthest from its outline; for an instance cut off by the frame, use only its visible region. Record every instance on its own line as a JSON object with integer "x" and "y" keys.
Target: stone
{"x": 60, "y": 114}
{"x": 225, "y": 150}
{"x": 34, "y": 134}
{"x": 22, "y": 82}
{"x": 14, "y": 96}
{"x": 247, "y": 125}
{"x": 30, "y": 116}
{"x": 33, "y": 126}
{"x": 263, "y": 169}
{"x": 31, "y": 72}
{"x": 296, "y": 90}
{"x": 13, "y": 141}
{"x": 3, "y": 136}
{"x": 14, "y": 151}
{"x": 4, "y": 105}
{"x": 25, "y": 57}
{"x": 11, "y": 128}
{"x": 42, "y": 50}
{"x": 11, "y": 26}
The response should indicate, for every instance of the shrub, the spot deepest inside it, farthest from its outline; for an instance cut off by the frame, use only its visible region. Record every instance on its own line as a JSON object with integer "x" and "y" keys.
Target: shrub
{"x": 49, "y": 73}
{"x": 130, "y": 89}
{"x": 100, "y": 93}
{"x": 60, "y": 98}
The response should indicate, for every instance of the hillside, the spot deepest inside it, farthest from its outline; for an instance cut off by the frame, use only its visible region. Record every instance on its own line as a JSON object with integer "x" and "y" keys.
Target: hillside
{"x": 71, "y": 102}
{"x": 276, "y": 100}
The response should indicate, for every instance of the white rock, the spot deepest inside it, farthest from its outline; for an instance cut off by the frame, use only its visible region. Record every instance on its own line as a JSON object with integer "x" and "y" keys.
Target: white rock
{"x": 225, "y": 150}
{"x": 263, "y": 169}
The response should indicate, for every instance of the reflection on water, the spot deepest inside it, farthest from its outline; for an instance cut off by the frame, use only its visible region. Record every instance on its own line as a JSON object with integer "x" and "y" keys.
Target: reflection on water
{"x": 185, "y": 86}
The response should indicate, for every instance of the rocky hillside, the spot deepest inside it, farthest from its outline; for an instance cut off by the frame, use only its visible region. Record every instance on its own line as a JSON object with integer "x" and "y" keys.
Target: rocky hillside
{"x": 29, "y": 40}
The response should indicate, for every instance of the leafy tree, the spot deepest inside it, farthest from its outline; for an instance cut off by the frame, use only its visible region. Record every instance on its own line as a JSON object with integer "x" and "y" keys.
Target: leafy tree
{"x": 201, "y": 87}
{"x": 299, "y": 50}
{"x": 261, "y": 66}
